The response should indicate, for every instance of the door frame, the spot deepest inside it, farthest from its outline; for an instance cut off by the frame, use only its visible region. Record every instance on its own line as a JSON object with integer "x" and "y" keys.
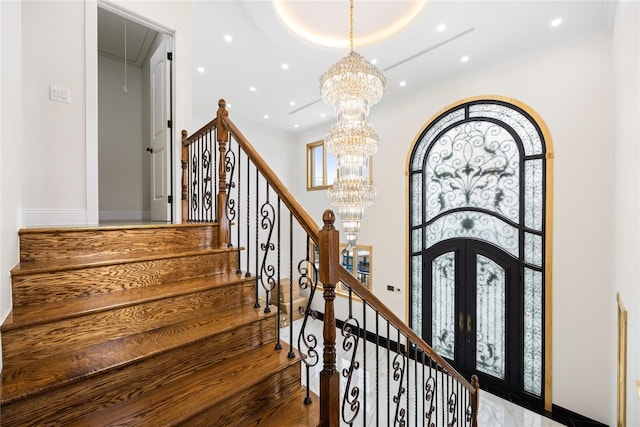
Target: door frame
{"x": 91, "y": 101}
{"x": 547, "y": 357}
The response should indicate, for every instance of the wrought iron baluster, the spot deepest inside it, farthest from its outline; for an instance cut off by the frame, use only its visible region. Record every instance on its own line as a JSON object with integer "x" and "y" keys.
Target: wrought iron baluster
{"x": 248, "y": 273}
{"x": 257, "y": 270}
{"x": 308, "y": 341}
{"x": 430, "y": 396}
{"x": 267, "y": 271}
{"x": 238, "y": 228}
{"x": 278, "y": 284}
{"x": 452, "y": 404}
{"x": 364, "y": 360}
{"x": 291, "y": 354}
{"x": 215, "y": 185}
{"x": 388, "y": 374}
{"x": 230, "y": 204}
{"x": 350, "y": 344}
{"x": 399, "y": 366}
{"x": 377, "y": 369}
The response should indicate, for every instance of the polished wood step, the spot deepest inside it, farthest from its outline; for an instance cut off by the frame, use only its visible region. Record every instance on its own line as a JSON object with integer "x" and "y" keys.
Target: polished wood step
{"x": 24, "y": 345}
{"x": 75, "y": 280}
{"x": 226, "y": 391}
{"x": 38, "y": 376}
{"x": 30, "y": 315}
{"x": 45, "y": 244}
{"x": 290, "y": 411}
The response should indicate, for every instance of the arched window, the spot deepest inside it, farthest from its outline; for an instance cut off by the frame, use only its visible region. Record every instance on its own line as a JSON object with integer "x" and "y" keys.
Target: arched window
{"x": 479, "y": 237}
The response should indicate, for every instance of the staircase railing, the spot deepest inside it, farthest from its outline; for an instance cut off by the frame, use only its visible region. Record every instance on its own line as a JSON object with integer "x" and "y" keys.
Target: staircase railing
{"x": 389, "y": 374}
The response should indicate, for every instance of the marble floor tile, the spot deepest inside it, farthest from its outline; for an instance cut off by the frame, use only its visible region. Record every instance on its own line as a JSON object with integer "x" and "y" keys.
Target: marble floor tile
{"x": 377, "y": 396}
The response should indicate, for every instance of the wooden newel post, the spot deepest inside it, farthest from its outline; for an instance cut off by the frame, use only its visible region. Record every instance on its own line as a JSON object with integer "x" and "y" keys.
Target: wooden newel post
{"x": 329, "y": 377}
{"x": 185, "y": 177}
{"x": 223, "y": 138}
{"x": 475, "y": 400}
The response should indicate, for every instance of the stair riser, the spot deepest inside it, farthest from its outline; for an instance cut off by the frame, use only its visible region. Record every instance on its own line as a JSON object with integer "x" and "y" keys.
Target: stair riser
{"x": 31, "y": 343}
{"x": 242, "y": 406}
{"x": 61, "y": 244}
{"x": 61, "y": 406}
{"x": 49, "y": 287}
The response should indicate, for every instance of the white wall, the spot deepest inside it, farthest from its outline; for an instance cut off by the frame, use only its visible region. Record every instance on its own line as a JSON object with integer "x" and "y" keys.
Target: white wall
{"x": 626, "y": 191}
{"x": 10, "y": 148}
{"x": 571, "y": 89}
{"x": 121, "y": 151}
{"x": 55, "y": 176}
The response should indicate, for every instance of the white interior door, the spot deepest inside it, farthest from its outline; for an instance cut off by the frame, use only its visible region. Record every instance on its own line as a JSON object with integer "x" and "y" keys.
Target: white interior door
{"x": 160, "y": 145}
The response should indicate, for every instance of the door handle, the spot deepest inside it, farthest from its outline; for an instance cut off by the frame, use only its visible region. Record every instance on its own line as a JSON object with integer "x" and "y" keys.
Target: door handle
{"x": 469, "y": 323}
{"x": 150, "y": 150}
{"x": 461, "y": 322}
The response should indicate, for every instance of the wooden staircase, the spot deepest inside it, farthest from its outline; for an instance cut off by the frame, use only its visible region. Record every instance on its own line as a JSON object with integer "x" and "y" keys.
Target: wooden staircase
{"x": 142, "y": 325}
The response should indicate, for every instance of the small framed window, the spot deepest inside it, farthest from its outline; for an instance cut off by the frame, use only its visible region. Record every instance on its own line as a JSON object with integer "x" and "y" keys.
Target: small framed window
{"x": 322, "y": 167}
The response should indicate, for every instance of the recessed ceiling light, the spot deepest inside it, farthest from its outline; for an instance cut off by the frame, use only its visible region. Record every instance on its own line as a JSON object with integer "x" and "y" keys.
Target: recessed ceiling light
{"x": 464, "y": 58}
{"x": 556, "y": 22}
{"x": 252, "y": 88}
{"x": 323, "y": 115}
{"x": 228, "y": 105}
{"x": 285, "y": 66}
{"x": 266, "y": 116}
{"x": 403, "y": 83}
{"x": 228, "y": 38}
{"x": 200, "y": 69}
{"x": 441, "y": 28}
{"x": 292, "y": 103}
{"x": 295, "y": 126}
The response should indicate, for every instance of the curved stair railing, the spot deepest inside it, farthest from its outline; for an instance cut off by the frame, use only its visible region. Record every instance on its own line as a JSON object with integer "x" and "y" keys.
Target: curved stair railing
{"x": 387, "y": 373}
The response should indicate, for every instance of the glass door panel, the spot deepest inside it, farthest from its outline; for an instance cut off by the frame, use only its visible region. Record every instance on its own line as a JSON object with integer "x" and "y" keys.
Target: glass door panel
{"x": 490, "y": 317}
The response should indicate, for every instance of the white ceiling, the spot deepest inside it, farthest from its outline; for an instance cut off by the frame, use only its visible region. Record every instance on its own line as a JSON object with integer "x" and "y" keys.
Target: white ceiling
{"x": 490, "y": 33}
{"x": 111, "y": 38}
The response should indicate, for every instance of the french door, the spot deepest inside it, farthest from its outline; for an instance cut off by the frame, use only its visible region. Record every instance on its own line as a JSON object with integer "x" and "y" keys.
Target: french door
{"x": 479, "y": 231}
{"x": 474, "y": 322}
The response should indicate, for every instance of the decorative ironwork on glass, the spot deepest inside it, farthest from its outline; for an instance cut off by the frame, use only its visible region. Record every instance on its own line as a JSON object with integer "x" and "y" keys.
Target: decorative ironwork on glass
{"x": 434, "y": 130}
{"x": 476, "y": 225}
{"x": 443, "y": 304}
{"x": 533, "y": 194}
{"x": 475, "y": 164}
{"x": 491, "y": 317}
{"x": 533, "y": 249}
{"x": 522, "y": 125}
{"x": 350, "y": 402}
{"x": 533, "y": 331}
{"x": 416, "y": 295}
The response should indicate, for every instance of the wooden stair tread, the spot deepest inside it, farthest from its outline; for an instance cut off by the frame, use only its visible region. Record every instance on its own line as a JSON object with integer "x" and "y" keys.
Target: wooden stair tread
{"x": 290, "y": 411}
{"x": 194, "y": 393}
{"x": 62, "y": 230}
{"x": 63, "y": 368}
{"x": 28, "y": 315}
{"x": 50, "y": 266}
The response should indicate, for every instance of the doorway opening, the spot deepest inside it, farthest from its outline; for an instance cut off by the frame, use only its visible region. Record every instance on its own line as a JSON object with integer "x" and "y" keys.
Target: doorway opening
{"x": 135, "y": 141}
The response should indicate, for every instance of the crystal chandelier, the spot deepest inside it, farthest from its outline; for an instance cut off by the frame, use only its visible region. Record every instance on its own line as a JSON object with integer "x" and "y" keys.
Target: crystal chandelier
{"x": 351, "y": 86}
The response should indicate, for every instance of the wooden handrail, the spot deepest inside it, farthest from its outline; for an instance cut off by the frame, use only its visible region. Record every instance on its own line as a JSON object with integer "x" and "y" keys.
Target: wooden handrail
{"x": 186, "y": 141}
{"x": 366, "y": 295}
{"x": 303, "y": 217}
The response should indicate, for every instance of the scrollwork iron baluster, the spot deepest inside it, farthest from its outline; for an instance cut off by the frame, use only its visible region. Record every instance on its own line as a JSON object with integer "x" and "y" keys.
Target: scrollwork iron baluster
{"x": 429, "y": 397}
{"x": 308, "y": 342}
{"x": 230, "y": 166}
{"x": 350, "y": 344}
{"x": 452, "y": 404}
{"x": 399, "y": 365}
{"x": 267, "y": 271}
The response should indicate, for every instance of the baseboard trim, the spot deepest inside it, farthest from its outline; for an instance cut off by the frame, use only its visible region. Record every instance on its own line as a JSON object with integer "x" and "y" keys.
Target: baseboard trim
{"x": 53, "y": 217}
{"x": 571, "y": 418}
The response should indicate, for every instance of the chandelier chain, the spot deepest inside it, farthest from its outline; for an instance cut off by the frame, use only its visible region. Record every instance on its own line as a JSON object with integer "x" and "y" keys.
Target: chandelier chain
{"x": 351, "y": 24}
